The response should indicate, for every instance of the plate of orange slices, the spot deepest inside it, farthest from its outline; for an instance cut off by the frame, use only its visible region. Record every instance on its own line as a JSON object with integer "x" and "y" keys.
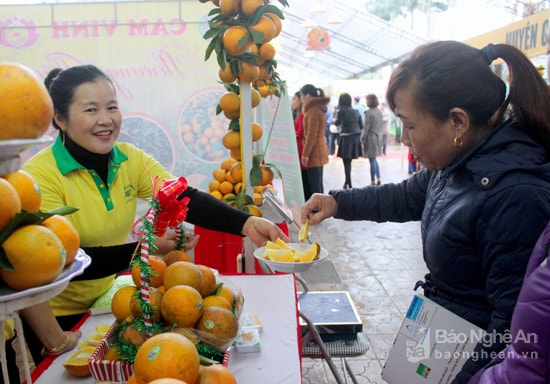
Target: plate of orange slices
{"x": 290, "y": 257}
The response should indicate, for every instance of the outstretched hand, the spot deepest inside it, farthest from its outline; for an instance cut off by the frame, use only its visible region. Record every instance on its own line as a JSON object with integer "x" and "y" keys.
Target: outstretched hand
{"x": 260, "y": 230}
{"x": 318, "y": 208}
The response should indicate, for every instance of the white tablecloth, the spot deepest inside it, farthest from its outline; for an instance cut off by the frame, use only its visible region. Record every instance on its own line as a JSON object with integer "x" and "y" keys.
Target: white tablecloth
{"x": 273, "y": 299}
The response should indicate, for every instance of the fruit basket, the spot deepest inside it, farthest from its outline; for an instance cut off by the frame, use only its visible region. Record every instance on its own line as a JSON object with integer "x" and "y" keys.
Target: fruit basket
{"x": 290, "y": 266}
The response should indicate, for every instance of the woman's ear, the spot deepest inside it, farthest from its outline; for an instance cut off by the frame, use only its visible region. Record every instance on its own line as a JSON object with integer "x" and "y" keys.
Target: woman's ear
{"x": 59, "y": 120}
{"x": 460, "y": 119}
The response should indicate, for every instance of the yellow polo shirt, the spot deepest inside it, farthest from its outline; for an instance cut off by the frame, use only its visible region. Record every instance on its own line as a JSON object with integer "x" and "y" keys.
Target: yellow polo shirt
{"x": 105, "y": 213}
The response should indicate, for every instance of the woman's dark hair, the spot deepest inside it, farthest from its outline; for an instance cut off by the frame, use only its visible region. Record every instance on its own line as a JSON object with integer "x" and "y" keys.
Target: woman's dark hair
{"x": 447, "y": 74}
{"x": 62, "y": 84}
{"x": 344, "y": 101}
{"x": 311, "y": 90}
{"x": 372, "y": 100}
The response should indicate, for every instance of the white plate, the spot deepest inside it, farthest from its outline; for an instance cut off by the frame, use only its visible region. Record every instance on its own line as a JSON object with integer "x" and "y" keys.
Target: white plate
{"x": 290, "y": 267}
{"x": 12, "y": 148}
{"x": 80, "y": 262}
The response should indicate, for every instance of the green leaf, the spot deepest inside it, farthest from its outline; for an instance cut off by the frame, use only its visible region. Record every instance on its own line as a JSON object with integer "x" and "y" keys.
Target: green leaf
{"x": 218, "y": 109}
{"x": 256, "y": 15}
{"x": 273, "y": 9}
{"x": 275, "y": 169}
{"x": 235, "y": 125}
{"x": 257, "y": 159}
{"x": 257, "y": 36}
{"x": 209, "y": 49}
{"x": 255, "y": 174}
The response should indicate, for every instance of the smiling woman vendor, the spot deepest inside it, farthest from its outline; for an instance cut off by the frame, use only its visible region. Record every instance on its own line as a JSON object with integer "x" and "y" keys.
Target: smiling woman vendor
{"x": 87, "y": 169}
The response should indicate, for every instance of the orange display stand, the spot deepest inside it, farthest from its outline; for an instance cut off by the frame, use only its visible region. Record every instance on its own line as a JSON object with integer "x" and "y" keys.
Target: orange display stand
{"x": 221, "y": 251}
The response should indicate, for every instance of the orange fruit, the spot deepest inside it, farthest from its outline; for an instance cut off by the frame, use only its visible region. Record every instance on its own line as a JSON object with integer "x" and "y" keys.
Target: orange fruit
{"x": 230, "y": 7}
{"x": 267, "y": 175}
{"x": 227, "y": 163}
{"x": 217, "y": 194}
{"x": 208, "y": 284}
{"x": 214, "y": 185}
{"x": 155, "y": 298}
{"x": 235, "y": 153}
{"x": 276, "y": 21}
{"x": 236, "y": 172}
{"x": 182, "y": 273}
{"x": 267, "y": 51}
{"x": 215, "y": 301}
{"x": 218, "y": 326}
{"x": 25, "y": 104}
{"x": 228, "y": 294}
{"x": 111, "y": 354}
{"x": 249, "y": 6}
{"x": 167, "y": 380}
{"x": 231, "y": 140}
{"x": 227, "y": 75}
{"x": 236, "y": 40}
{"x": 265, "y": 73}
{"x": 256, "y": 98}
{"x": 181, "y": 305}
{"x": 187, "y": 332}
{"x": 266, "y": 90}
{"x": 167, "y": 355}
{"x": 157, "y": 266}
{"x": 132, "y": 379}
{"x": 232, "y": 115}
{"x": 266, "y": 26}
{"x": 226, "y": 187}
{"x": 27, "y": 188}
{"x": 248, "y": 72}
{"x": 10, "y": 203}
{"x": 258, "y": 199}
{"x": 257, "y": 131}
{"x": 219, "y": 174}
{"x": 239, "y": 187}
{"x": 36, "y": 254}
{"x": 215, "y": 374}
{"x": 176, "y": 255}
{"x": 77, "y": 362}
{"x": 66, "y": 232}
{"x": 120, "y": 304}
{"x": 132, "y": 335}
{"x": 230, "y": 102}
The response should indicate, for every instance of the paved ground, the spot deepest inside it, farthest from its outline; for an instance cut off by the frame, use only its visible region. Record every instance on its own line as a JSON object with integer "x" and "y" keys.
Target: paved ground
{"x": 377, "y": 263}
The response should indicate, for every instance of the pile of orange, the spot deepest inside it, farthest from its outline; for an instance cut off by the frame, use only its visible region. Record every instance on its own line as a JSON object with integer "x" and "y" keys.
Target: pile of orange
{"x": 178, "y": 307}
{"x": 53, "y": 244}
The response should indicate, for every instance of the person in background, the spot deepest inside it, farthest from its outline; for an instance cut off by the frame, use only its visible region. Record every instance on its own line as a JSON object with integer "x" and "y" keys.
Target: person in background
{"x": 386, "y": 117}
{"x": 315, "y": 153}
{"x": 372, "y": 137}
{"x": 298, "y": 115}
{"x": 88, "y": 169}
{"x": 360, "y": 107}
{"x": 483, "y": 192}
{"x": 350, "y": 124}
{"x": 331, "y": 143}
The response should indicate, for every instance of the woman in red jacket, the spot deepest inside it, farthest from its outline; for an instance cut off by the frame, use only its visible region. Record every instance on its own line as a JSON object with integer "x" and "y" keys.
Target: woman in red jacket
{"x": 315, "y": 152}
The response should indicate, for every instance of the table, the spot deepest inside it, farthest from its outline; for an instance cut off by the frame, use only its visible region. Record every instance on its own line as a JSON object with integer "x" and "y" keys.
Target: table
{"x": 272, "y": 298}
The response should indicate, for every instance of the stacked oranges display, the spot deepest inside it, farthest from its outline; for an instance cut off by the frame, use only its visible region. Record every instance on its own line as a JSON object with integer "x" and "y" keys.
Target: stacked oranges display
{"x": 53, "y": 243}
{"x": 241, "y": 34}
{"x": 179, "y": 291}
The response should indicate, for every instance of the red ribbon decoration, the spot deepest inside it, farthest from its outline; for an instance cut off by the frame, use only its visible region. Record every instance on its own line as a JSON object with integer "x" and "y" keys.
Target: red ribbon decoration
{"x": 171, "y": 211}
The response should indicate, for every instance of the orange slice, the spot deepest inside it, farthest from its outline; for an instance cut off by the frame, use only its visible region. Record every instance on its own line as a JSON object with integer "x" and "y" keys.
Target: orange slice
{"x": 304, "y": 232}
{"x": 77, "y": 363}
{"x": 310, "y": 254}
{"x": 284, "y": 255}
